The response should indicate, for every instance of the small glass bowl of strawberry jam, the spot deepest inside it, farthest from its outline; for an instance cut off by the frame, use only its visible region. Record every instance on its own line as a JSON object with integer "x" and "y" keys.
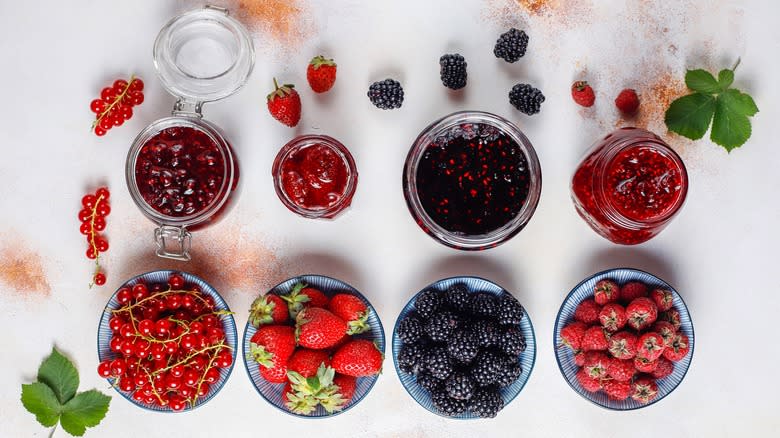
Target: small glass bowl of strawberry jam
{"x": 472, "y": 180}
{"x": 181, "y": 170}
{"x": 629, "y": 186}
{"x": 315, "y": 176}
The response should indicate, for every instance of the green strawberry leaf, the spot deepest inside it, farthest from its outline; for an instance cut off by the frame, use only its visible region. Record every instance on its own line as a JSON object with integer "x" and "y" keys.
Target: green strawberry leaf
{"x": 702, "y": 81}
{"x": 60, "y": 375}
{"x": 85, "y": 410}
{"x": 690, "y": 115}
{"x": 730, "y": 128}
{"x": 40, "y": 400}
{"x": 725, "y": 79}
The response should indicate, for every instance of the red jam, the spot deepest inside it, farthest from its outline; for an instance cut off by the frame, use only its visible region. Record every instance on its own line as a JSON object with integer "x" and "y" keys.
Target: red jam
{"x": 630, "y": 185}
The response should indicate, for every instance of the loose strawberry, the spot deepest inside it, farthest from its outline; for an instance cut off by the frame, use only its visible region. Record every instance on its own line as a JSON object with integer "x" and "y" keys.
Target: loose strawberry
{"x": 606, "y": 291}
{"x": 627, "y": 102}
{"x": 587, "y": 312}
{"x": 645, "y": 366}
{"x": 284, "y": 104}
{"x": 612, "y": 317}
{"x": 583, "y": 94}
{"x": 650, "y": 346}
{"x": 662, "y": 298}
{"x": 622, "y": 345}
{"x": 317, "y": 328}
{"x": 352, "y": 310}
{"x": 572, "y": 334}
{"x": 644, "y": 389}
{"x": 677, "y": 349}
{"x": 268, "y": 309}
{"x": 642, "y": 313}
{"x": 621, "y": 370}
{"x": 671, "y": 316}
{"x": 321, "y": 74}
{"x": 664, "y": 368}
{"x": 588, "y": 383}
{"x": 306, "y": 362}
{"x": 347, "y": 385}
{"x": 358, "y": 358}
{"x": 632, "y": 290}
{"x": 617, "y": 390}
{"x": 271, "y": 347}
{"x": 595, "y": 338}
{"x": 302, "y": 296}
{"x": 596, "y": 363}
{"x": 666, "y": 330}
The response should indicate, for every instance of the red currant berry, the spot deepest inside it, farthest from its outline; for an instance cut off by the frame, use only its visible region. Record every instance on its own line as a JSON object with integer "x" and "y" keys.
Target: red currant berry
{"x": 126, "y": 384}
{"x": 209, "y": 321}
{"x": 107, "y": 94}
{"x": 208, "y": 302}
{"x": 115, "y": 344}
{"x": 150, "y": 313}
{"x": 186, "y": 391}
{"x": 215, "y": 335}
{"x": 203, "y": 389}
{"x": 158, "y": 351}
{"x": 189, "y": 341}
{"x": 123, "y": 296}
{"x": 97, "y": 106}
{"x": 88, "y": 201}
{"x": 224, "y": 359}
{"x": 199, "y": 362}
{"x": 137, "y": 85}
{"x": 173, "y": 302}
{"x": 85, "y": 228}
{"x": 177, "y": 370}
{"x": 162, "y": 328}
{"x": 126, "y": 330}
{"x": 106, "y": 122}
{"x": 140, "y": 379}
{"x": 128, "y": 347}
{"x": 101, "y": 244}
{"x": 190, "y": 378}
{"x": 138, "y": 396}
{"x": 119, "y": 86}
{"x": 126, "y": 112}
{"x": 117, "y": 120}
{"x": 145, "y": 327}
{"x": 187, "y": 302}
{"x": 171, "y": 347}
{"x": 196, "y": 327}
{"x": 177, "y": 403}
{"x": 212, "y": 375}
{"x": 99, "y": 131}
{"x": 140, "y": 291}
{"x": 176, "y": 281}
{"x": 118, "y": 367}
{"x": 136, "y": 98}
{"x": 100, "y": 223}
{"x": 100, "y": 278}
{"x": 91, "y": 253}
{"x": 104, "y": 368}
{"x": 115, "y": 323}
{"x": 141, "y": 348}
{"x": 132, "y": 367}
{"x": 103, "y": 193}
{"x": 173, "y": 383}
{"x": 103, "y": 209}
{"x": 85, "y": 215}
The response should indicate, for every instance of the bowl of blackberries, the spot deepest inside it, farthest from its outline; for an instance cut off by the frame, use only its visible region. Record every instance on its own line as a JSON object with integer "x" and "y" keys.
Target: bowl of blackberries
{"x": 463, "y": 347}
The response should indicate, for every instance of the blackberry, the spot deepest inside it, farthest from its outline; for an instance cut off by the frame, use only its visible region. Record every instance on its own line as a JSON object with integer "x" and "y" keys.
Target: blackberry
{"x": 486, "y": 403}
{"x": 457, "y": 297}
{"x": 453, "y": 71}
{"x": 511, "y": 45}
{"x": 510, "y": 312}
{"x": 410, "y": 358}
{"x": 509, "y": 372}
{"x": 486, "y": 332}
{"x": 438, "y": 363}
{"x": 440, "y": 326}
{"x": 485, "y": 368}
{"x": 483, "y": 304}
{"x": 410, "y": 329}
{"x": 463, "y": 346}
{"x": 446, "y": 404}
{"x": 428, "y": 302}
{"x": 428, "y": 382}
{"x": 387, "y": 94}
{"x": 511, "y": 341}
{"x": 460, "y": 386}
{"x": 526, "y": 98}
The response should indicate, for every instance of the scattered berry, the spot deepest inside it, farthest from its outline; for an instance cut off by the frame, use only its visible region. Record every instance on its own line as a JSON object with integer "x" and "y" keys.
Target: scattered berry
{"x": 511, "y": 45}
{"x": 605, "y": 292}
{"x": 321, "y": 74}
{"x": 583, "y": 94}
{"x": 116, "y": 103}
{"x": 453, "y": 71}
{"x": 284, "y": 104}
{"x": 612, "y": 317}
{"x": 527, "y": 99}
{"x": 95, "y": 208}
{"x": 627, "y": 102}
{"x": 387, "y": 94}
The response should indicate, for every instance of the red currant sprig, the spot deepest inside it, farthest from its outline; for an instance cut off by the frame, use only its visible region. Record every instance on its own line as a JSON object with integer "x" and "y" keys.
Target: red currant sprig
{"x": 116, "y": 103}
{"x": 93, "y": 221}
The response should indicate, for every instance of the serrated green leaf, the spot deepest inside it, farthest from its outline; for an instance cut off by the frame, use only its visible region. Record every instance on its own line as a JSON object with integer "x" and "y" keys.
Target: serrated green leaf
{"x": 739, "y": 102}
{"x": 60, "y": 375}
{"x": 702, "y": 81}
{"x": 41, "y": 401}
{"x": 730, "y": 129}
{"x": 690, "y": 115}
{"x": 84, "y": 410}
{"x": 725, "y": 78}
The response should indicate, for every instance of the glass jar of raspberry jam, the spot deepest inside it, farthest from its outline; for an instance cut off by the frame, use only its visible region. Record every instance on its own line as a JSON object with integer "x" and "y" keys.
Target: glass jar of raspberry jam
{"x": 472, "y": 180}
{"x": 629, "y": 186}
{"x": 315, "y": 176}
{"x": 181, "y": 170}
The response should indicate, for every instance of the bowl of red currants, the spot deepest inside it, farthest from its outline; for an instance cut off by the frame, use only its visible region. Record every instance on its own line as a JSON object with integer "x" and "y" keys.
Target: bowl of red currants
{"x": 166, "y": 341}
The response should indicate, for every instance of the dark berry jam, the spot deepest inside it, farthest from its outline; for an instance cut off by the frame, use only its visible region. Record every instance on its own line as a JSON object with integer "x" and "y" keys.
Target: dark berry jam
{"x": 473, "y": 184}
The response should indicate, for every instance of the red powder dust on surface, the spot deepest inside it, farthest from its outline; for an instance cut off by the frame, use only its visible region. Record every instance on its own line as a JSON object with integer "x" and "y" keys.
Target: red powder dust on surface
{"x": 557, "y": 15}
{"x": 286, "y": 22}
{"x": 22, "y": 270}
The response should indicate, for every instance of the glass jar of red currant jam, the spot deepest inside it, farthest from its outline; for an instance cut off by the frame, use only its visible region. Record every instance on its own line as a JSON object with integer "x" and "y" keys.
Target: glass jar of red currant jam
{"x": 472, "y": 180}
{"x": 629, "y": 186}
{"x": 181, "y": 170}
{"x": 315, "y": 176}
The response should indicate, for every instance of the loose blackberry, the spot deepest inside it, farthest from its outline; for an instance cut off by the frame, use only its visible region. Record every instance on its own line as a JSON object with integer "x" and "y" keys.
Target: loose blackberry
{"x": 486, "y": 332}
{"x": 440, "y": 326}
{"x": 509, "y": 372}
{"x": 428, "y": 382}
{"x": 485, "y": 368}
{"x": 483, "y": 304}
{"x": 453, "y": 71}
{"x": 410, "y": 329}
{"x": 509, "y": 312}
{"x": 438, "y": 363}
{"x": 511, "y": 341}
{"x": 460, "y": 386}
{"x": 526, "y": 98}
{"x": 511, "y": 45}
{"x": 387, "y": 94}
{"x": 446, "y": 404}
{"x": 463, "y": 346}
{"x": 428, "y": 302}
{"x": 410, "y": 358}
{"x": 457, "y": 297}
{"x": 486, "y": 403}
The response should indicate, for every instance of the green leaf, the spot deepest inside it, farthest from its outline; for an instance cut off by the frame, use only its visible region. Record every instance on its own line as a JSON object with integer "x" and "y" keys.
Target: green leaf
{"x": 60, "y": 375}
{"x": 40, "y": 400}
{"x": 702, "y": 81}
{"x": 739, "y": 102}
{"x": 730, "y": 128}
{"x": 85, "y": 410}
{"x": 690, "y": 115}
{"x": 725, "y": 78}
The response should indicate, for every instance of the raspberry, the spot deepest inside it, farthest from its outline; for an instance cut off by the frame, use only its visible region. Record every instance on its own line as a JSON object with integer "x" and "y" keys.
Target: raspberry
{"x": 596, "y": 363}
{"x": 612, "y": 317}
{"x": 606, "y": 291}
{"x": 588, "y": 383}
{"x": 587, "y": 312}
{"x": 621, "y": 370}
{"x": 622, "y": 345}
{"x": 511, "y": 45}
{"x": 572, "y": 334}
{"x": 664, "y": 368}
{"x": 617, "y": 390}
{"x": 595, "y": 338}
{"x": 582, "y": 93}
{"x": 527, "y": 99}
{"x": 453, "y": 71}
{"x": 627, "y": 102}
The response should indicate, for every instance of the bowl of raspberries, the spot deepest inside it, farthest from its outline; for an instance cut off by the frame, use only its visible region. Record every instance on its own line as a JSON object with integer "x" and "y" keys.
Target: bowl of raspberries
{"x": 313, "y": 346}
{"x": 624, "y": 339}
{"x": 463, "y": 347}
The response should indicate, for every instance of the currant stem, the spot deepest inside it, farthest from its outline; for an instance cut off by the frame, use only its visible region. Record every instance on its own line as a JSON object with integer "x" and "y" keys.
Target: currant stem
{"x": 114, "y": 103}
{"x": 202, "y": 378}
{"x": 92, "y": 237}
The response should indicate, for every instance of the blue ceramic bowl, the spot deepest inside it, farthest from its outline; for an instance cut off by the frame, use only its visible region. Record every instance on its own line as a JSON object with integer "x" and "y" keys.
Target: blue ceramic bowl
{"x": 527, "y": 357}
{"x": 150, "y": 278}
{"x": 272, "y": 392}
{"x": 565, "y": 355}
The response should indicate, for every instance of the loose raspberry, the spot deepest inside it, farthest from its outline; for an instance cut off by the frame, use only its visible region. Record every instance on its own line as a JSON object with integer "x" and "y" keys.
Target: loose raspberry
{"x": 582, "y": 93}
{"x": 587, "y": 312}
{"x": 627, "y": 102}
{"x": 595, "y": 339}
{"x": 612, "y": 317}
{"x": 671, "y": 316}
{"x": 579, "y": 359}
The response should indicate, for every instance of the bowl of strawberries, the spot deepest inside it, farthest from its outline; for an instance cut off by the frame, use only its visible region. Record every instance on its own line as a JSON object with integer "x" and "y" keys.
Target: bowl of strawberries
{"x": 313, "y": 346}
{"x": 624, "y": 339}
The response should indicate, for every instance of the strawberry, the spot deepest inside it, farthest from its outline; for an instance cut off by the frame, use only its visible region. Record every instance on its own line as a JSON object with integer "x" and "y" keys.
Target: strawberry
{"x": 358, "y": 358}
{"x": 572, "y": 334}
{"x": 271, "y": 347}
{"x": 664, "y": 368}
{"x": 595, "y": 338}
{"x": 666, "y": 330}
{"x": 606, "y": 291}
{"x": 645, "y": 366}
{"x": 641, "y": 312}
{"x": 306, "y": 362}
{"x": 671, "y": 316}
{"x": 275, "y": 374}
{"x": 306, "y": 392}
{"x": 588, "y": 312}
{"x": 621, "y": 370}
{"x": 284, "y": 104}
{"x": 317, "y": 328}
{"x": 650, "y": 346}
{"x": 268, "y": 309}
{"x": 583, "y": 94}
{"x": 352, "y": 310}
{"x": 347, "y": 385}
{"x": 588, "y": 383}
{"x": 612, "y": 317}
{"x": 627, "y": 102}
{"x": 321, "y": 74}
{"x": 644, "y": 389}
{"x": 622, "y": 345}
{"x": 617, "y": 390}
{"x": 302, "y": 296}
{"x": 631, "y": 290}
{"x": 596, "y": 363}
{"x": 677, "y": 349}
{"x": 298, "y": 403}
{"x": 662, "y": 298}
{"x": 579, "y": 358}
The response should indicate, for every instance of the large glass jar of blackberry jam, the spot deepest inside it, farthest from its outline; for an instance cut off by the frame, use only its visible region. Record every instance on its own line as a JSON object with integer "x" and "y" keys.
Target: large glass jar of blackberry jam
{"x": 181, "y": 170}
{"x": 472, "y": 180}
{"x": 629, "y": 186}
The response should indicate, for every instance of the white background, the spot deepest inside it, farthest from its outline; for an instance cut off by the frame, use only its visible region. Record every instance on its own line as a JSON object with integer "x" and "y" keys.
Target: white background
{"x": 720, "y": 252}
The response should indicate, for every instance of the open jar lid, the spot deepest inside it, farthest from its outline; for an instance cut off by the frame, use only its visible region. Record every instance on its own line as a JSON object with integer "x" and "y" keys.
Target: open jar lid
{"x": 203, "y": 55}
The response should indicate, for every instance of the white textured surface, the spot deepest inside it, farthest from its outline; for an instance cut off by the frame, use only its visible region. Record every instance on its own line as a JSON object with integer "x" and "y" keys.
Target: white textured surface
{"x": 720, "y": 253}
